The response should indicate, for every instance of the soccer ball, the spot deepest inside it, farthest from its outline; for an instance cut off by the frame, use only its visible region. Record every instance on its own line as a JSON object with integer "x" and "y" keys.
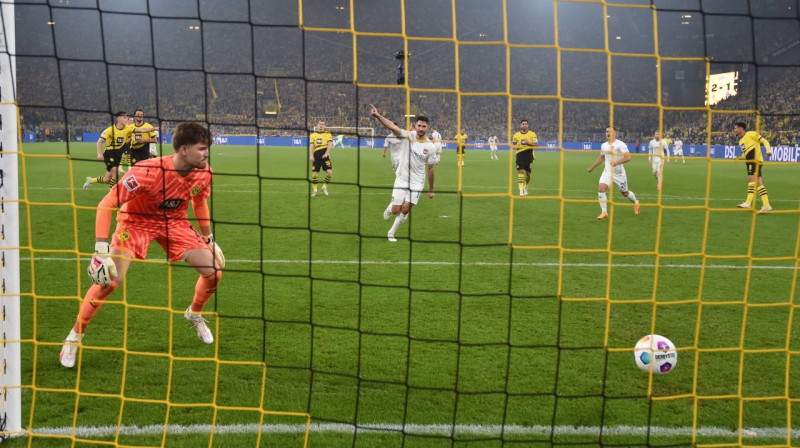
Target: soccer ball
{"x": 657, "y": 353}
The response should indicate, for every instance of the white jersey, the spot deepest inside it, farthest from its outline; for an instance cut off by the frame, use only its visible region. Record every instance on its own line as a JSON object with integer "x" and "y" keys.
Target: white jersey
{"x": 436, "y": 137}
{"x": 615, "y": 151}
{"x": 393, "y": 143}
{"x": 658, "y": 148}
{"x": 414, "y": 156}
{"x": 678, "y": 147}
{"x": 492, "y": 142}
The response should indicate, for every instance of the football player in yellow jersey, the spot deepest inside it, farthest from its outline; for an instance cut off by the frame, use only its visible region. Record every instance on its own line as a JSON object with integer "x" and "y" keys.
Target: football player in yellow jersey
{"x": 117, "y": 139}
{"x": 140, "y": 142}
{"x": 320, "y": 144}
{"x": 751, "y": 143}
{"x": 523, "y": 143}
{"x": 461, "y": 146}
{"x": 668, "y": 141}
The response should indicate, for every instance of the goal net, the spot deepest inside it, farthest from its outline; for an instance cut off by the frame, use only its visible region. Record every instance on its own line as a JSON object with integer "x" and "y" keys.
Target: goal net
{"x": 497, "y": 318}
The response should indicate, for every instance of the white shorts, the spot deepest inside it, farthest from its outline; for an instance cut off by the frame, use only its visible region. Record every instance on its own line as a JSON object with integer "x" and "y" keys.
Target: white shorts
{"x": 402, "y": 195}
{"x": 678, "y": 152}
{"x": 621, "y": 180}
{"x": 656, "y": 164}
{"x": 493, "y": 148}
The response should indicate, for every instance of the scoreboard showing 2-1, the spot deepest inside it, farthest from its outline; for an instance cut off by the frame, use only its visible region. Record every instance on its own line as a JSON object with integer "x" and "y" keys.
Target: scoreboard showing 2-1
{"x": 721, "y": 86}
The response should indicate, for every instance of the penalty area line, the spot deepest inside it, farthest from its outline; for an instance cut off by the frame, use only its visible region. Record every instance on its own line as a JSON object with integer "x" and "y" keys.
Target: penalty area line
{"x": 470, "y": 263}
{"x": 426, "y": 429}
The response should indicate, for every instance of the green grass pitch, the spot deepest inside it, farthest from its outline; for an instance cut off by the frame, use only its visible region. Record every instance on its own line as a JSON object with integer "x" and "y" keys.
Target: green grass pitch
{"x": 491, "y": 313}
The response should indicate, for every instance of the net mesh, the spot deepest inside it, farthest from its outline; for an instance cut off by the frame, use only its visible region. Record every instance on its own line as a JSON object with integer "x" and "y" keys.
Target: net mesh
{"x": 496, "y": 318}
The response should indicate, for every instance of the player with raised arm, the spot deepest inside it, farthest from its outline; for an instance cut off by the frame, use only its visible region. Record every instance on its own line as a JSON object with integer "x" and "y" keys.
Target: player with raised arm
{"x": 461, "y": 146}
{"x": 320, "y": 144}
{"x": 436, "y": 138}
{"x": 615, "y": 153}
{"x": 392, "y": 143}
{"x": 677, "y": 150}
{"x": 751, "y": 142}
{"x": 523, "y": 143}
{"x": 493, "y": 147}
{"x": 152, "y": 200}
{"x": 117, "y": 139}
{"x": 658, "y": 150}
{"x": 417, "y": 157}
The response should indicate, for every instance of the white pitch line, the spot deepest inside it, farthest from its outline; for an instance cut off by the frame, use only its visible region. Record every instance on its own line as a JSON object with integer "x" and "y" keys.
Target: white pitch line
{"x": 441, "y": 430}
{"x": 468, "y": 263}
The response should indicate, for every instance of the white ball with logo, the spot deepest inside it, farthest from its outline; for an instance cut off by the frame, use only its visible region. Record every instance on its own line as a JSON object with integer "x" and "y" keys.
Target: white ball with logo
{"x": 655, "y": 353}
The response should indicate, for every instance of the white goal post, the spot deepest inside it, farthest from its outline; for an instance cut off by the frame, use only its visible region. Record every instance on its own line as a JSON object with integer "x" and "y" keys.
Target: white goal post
{"x": 10, "y": 374}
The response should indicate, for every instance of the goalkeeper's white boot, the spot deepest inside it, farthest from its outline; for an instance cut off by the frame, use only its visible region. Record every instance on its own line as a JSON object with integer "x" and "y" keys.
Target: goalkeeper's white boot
{"x": 69, "y": 351}
{"x": 88, "y": 183}
{"x": 199, "y": 324}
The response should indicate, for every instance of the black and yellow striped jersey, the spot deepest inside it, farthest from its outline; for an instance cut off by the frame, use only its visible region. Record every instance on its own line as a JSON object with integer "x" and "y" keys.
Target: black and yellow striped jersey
{"x": 136, "y": 142}
{"x": 525, "y": 141}
{"x": 116, "y": 138}
{"x": 320, "y": 140}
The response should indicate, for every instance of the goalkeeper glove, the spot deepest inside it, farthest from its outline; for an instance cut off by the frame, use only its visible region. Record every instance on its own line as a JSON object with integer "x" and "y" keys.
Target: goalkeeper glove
{"x": 102, "y": 268}
{"x": 214, "y": 248}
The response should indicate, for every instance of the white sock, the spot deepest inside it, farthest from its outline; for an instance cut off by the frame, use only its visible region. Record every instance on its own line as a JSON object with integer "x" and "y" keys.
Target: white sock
{"x": 73, "y": 336}
{"x": 631, "y": 196}
{"x": 401, "y": 218}
{"x": 603, "y": 201}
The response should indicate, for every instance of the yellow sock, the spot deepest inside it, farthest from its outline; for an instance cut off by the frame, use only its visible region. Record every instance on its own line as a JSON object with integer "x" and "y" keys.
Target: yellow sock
{"x": 751, "y": 193}
{"x": 314, "y": 180}
{"x": 327, "y": 180}
{"x": 521, "y": 181}
{"x": 762, "y": 191}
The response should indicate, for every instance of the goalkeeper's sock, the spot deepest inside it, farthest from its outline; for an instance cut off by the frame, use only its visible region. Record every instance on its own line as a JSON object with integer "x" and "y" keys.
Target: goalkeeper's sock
{"x": 631, "y": 196}
{"x": 204, "y": 289}
{"x": 92, "y": 302}
{"x": 762, "y": 192}
{"x": 401, "y": 218}
{"x": 603, "y": 199}
{"x": 751, "y": 193}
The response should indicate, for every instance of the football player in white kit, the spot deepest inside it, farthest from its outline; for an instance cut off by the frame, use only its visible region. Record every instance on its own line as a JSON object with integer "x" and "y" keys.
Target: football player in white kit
{"x": 393, "y": 144}
{"x": 615, "y": 153}
{"x": 677, "y": 150}
{"x": 436, "y": 138}
{"x": 417, "y": 158}
{"x": 493, "y": 147}
{"x": 658, "y": 150}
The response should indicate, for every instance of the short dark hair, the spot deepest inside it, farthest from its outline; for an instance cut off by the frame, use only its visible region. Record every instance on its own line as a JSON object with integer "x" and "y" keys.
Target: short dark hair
{"x": 741, "y": 124}
{"x": 420, "y": 118}
{"x": 612, "y": 127}
{"x": 121, "y": 113}
{"x": 190, "y": 133}
{"x": 524, "y": 119}
{"x": 138, "y": 110}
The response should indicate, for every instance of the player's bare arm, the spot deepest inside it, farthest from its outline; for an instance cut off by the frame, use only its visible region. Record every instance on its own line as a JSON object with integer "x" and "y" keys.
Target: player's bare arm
{"x": 100, "y": 143}
{"x": 595, "y": 164}
{"x": 384, "y": 121}
{"x": 431, "y": 172}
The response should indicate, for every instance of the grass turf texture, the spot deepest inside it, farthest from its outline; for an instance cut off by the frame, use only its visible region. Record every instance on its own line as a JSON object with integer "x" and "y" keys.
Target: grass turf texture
{"x": 451, "y": 325}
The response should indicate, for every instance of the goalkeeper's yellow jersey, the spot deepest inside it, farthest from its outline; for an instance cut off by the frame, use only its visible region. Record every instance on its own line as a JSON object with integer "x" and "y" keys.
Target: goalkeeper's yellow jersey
{"x": 525, "y": 141}
{"x": 115, "y": 138}
{"x": 320, "y": 140}
{"x": 136, "y": 143}
{"x": 752, "y": 142}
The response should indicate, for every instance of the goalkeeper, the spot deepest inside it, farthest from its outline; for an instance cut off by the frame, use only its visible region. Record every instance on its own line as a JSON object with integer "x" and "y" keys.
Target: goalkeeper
{"x": 153, "y": 198}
